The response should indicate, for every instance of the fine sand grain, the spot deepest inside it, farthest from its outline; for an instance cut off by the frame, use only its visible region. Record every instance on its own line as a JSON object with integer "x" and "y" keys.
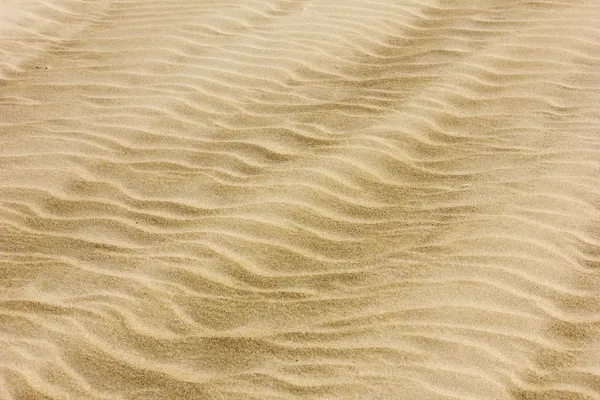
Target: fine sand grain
{"x": 285, "y": 199}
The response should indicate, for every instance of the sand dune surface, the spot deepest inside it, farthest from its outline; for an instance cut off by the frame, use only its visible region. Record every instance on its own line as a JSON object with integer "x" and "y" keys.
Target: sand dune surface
{"x": 300, "y": 199}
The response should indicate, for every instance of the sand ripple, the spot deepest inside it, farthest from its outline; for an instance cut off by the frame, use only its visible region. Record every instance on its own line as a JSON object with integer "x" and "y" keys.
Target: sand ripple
{"x": 300, "y": 199}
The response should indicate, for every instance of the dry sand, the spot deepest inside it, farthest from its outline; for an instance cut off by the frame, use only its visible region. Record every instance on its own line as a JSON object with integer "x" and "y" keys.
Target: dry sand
{"x": 328, "y": 199}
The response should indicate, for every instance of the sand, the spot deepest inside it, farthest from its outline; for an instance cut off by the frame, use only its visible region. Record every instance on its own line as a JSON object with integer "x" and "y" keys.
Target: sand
{"x": 279, "y": 199}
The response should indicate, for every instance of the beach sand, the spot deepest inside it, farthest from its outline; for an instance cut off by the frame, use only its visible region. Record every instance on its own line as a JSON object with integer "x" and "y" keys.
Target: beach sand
{"x": 285, "y": 199}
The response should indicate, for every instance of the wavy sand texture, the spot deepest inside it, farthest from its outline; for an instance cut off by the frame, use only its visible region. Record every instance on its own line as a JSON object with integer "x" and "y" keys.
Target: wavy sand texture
{"x": 282, "y": 199}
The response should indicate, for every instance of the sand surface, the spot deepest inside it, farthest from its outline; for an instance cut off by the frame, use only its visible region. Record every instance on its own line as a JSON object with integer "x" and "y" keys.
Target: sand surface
{"x": 284, "y": 199}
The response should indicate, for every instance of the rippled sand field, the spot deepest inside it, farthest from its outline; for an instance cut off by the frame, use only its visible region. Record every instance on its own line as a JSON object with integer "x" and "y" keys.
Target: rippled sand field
{"x": 285, "y": 199}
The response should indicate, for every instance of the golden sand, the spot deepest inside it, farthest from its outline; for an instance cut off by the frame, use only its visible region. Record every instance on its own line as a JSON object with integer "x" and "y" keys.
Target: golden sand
{"x": 285, "y": 199}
